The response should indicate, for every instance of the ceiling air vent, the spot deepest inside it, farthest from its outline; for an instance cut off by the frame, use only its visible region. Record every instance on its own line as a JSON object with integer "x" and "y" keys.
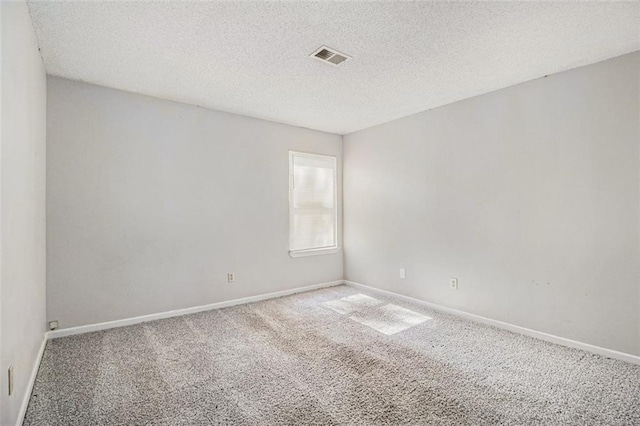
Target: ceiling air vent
{"x": 329, "y": 56}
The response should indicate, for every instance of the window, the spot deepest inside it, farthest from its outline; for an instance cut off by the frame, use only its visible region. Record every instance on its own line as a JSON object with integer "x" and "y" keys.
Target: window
{"x": 313, "y": 225}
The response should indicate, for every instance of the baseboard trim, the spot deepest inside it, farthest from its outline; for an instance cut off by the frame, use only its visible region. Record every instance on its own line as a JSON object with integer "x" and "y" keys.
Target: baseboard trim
{"x": 610, "y": 353}
{"x": 32, "y": 380}
{"x": 168, "y": 314}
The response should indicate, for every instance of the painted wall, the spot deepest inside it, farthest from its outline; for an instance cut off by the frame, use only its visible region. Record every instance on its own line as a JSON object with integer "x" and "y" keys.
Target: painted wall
{"x": 528, "y": 195}
{"x": 150, "y": 203}
{"x": 22, "y": 195}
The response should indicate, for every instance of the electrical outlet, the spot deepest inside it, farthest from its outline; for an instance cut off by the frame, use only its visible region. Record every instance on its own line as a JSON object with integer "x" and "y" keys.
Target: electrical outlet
{"x": 10, "y": 379}
{"x": 53, "y": 325}
{"x": 402, "y": 273}
{"x": 230, "y": 277}
{"x": 453, "y": 283}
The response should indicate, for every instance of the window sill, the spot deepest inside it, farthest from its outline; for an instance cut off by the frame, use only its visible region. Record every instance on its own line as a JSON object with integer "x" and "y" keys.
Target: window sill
{"x": 314, "y": 252}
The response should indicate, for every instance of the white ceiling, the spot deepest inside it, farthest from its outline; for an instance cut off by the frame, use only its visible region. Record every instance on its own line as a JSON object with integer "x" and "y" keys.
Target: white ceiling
{"x": 251, "y": 58}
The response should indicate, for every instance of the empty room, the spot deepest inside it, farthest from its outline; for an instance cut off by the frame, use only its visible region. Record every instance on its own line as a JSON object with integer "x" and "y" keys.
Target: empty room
{"x": 319, "y": 213}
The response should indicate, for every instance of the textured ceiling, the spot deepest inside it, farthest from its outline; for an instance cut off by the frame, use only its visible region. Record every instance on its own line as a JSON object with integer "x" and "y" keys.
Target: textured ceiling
{"x": 251, "y": 58}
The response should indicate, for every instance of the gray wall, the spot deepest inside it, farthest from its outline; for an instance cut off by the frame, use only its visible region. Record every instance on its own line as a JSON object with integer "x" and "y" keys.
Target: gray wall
{"x": 22, "y": 166}
{"x": 150, "y": 203}
{"x": 528, "y": 195}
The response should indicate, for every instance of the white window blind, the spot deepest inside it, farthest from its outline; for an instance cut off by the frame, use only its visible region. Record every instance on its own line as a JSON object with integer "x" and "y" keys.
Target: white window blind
{"x": 312, "y": 202}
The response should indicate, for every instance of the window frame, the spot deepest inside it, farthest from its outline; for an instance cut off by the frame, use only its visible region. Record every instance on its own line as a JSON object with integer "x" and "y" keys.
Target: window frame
{"x": 320, "y": 250}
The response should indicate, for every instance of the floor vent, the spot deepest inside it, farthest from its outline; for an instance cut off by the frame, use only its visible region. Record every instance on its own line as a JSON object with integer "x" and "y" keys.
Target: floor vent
{"x": 329, "y": 56}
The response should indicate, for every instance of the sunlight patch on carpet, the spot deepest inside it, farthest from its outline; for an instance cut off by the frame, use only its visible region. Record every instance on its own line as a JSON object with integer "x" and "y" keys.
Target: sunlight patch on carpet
{"x": 350, "y": 304}
{"x": 389, "y": 319}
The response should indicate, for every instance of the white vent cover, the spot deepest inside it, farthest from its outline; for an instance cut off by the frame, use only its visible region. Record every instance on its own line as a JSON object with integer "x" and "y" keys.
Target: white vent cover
{"x": 329, "y": 56}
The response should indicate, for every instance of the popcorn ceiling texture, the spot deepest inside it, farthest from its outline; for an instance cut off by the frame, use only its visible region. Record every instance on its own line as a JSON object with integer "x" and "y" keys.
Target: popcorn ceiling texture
{"x": 251, "y": 57}
{"x": 294, "y": 361}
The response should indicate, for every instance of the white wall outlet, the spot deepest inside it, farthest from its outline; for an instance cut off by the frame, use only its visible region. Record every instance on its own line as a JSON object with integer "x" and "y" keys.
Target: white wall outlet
{"x": 453, "y": 283}
{"x": 402, "y": 273}
{"x": 53, "y": 325}
{"x": 230, "y": 277}
{"x": 10, "y": 379}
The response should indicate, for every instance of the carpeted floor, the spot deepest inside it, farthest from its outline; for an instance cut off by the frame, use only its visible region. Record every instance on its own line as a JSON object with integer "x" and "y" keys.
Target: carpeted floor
{"x": 314, "y": 359}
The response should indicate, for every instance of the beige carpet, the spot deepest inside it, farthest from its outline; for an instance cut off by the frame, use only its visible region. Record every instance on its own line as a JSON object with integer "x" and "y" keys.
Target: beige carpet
{"x": 326, "y": 357}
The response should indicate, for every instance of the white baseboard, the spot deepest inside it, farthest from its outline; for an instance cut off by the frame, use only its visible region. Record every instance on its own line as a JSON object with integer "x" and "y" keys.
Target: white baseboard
{"x": 32, "y": 380}
{"x": 168, "y": 314}
{"x": 610, "y": 353}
